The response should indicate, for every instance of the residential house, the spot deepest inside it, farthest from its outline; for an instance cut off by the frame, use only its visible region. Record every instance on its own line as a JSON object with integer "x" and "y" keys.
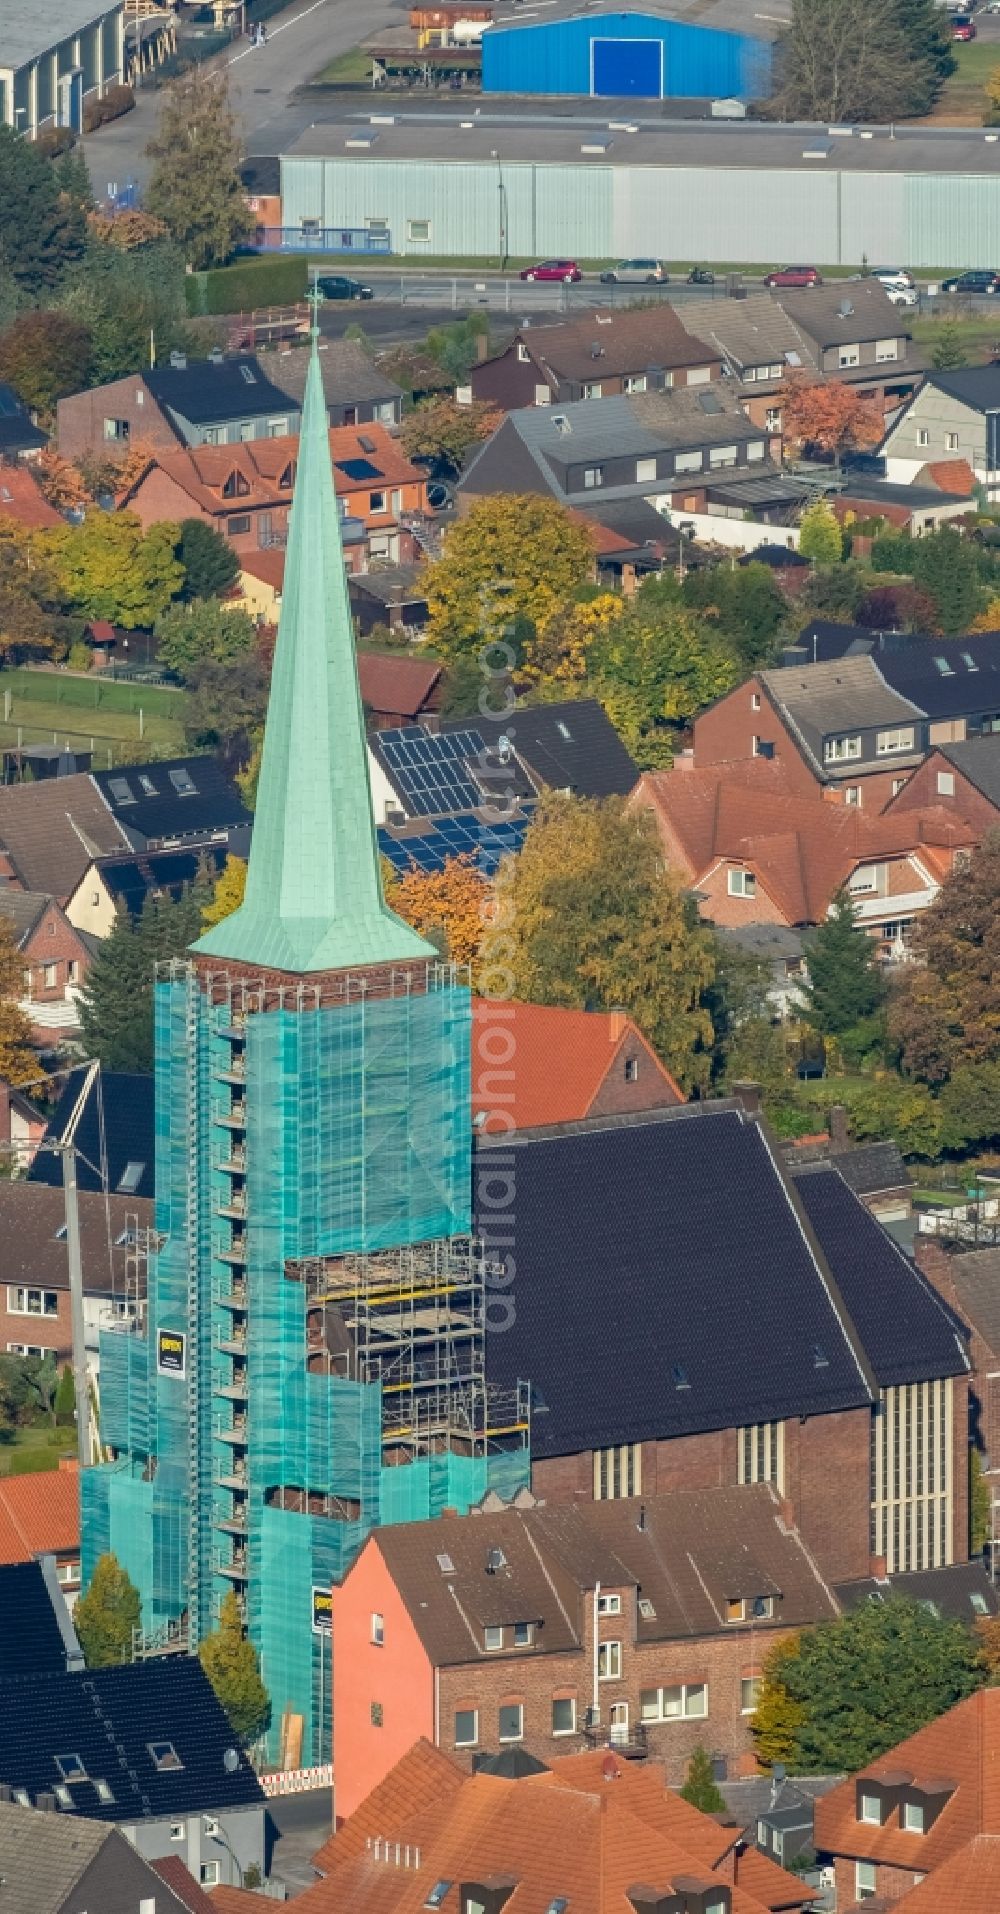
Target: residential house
{"x": 783, "y": 951}
{"x": 962, "y": 778}
{"x": 969, "y": 1281}
{"x": 114, "y": 1135}
{"x": 393, "y": 599}
{"x": 519, "y": 1836}
{"x": 396, "y": 690}
{"x": 760, "y": 347}
{"x": 21, "y": 440}
{"x": 962, "y": 1593}
{"x": 50, "y": 1865}
{"x": 560, "y": 1065}
{"x": 916, "y": 1810}
{"x": 215, "y": 401}
{"x": 875, "y": 1172}
{"x": 573, "y": 747}
{"x": 35, "y": 1312}
{"x": 38, "y": 1637}
{"x": 22, "y": 1126}
{"x": 56, "y": 959}
{"x": 953, "y": 415}
{"x": 111, "y": 885}
{"x": 753, "y": 852}
{"x": 176, "y": 803}
{"x": 144, "y": 1747}
{"x": 690, "y": 450}
{"x": 21, "y": 496}
{"x": 777, "y": 1813}
{"x": 857, "y": 726}
{"x": 245, "y": 491}
{"x": 943, "y": 492}
{"x": 356, "y": 392}
{"x": 969, "y": 1883}
{"x": 40, "y": 1515}
{"x": 50, "y": 830}
{"x": 817, "y": 1332}
{"x": 598, "y": 355}
{"x": 551, "y": 1630}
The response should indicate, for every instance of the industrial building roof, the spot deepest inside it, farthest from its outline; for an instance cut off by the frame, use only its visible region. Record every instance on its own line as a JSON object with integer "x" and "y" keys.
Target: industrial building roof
{"x": 728, "y": 16}
{"x": 549, "y": 138}
{"x": 29, "y": 28}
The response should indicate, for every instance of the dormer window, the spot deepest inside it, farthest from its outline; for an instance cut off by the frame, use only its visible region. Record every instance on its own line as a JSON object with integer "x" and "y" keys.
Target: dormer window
{"x": 235, "y": 486}
{"x": 523, "y": 1633}
{"x": 493, "y": 1640}
{"x": 870, "y": 1809}
{"x": 913, "y": 1817}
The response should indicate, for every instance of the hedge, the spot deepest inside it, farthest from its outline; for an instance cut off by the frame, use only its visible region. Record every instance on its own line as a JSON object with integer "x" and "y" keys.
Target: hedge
{"x": 110, "y": 106}
{"x": 249, "y": 284}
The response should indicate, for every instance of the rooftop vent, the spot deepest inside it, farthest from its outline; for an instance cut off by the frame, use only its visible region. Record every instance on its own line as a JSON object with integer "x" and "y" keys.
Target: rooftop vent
{"x": 363, "y": 140}
{"x": 446, "y": 1565}
{"x": 845, "y": 309}
{"x": 178, "y": 361}
{"x": 820, "y": 1358}
{"x": 599, "y": 145}
{"x": 820, "y": 150}
{"x": 561, "y": 423}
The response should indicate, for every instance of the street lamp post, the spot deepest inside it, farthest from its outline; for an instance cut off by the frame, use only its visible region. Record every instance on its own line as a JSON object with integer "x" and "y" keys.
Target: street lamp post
{"x": 502, "y": 208}
{"x": 222, "y": 1840}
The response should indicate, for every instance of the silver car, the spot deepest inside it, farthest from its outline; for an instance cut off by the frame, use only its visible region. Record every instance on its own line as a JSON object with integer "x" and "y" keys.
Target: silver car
{"x": 636, "y": 272}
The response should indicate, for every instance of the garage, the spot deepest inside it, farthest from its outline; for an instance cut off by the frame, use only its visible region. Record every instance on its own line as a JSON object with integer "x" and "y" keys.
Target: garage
{"x": 627, "y": 69}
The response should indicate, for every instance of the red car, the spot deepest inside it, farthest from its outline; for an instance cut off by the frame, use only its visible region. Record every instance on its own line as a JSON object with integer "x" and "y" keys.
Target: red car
{"x": 793, "y": 276}
{"x": 963, "y": 27}
{"x": 565, "y": 269}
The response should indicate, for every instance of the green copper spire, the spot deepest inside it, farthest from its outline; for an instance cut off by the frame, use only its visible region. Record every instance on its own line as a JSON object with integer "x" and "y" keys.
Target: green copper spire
{"x": 314, "y": 890}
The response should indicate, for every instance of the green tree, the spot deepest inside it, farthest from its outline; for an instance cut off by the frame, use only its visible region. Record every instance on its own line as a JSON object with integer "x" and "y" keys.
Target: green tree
{"x": 106, "y": 1614}
{"x": 820, "y": 538}
{"x": 510, "y": 557}
{"x": 845, "y": 987}
{"x": 947, "y": 351}
{"x": 108, "y": 567}
{"x": 652, "y": 670}
{"x": 945, "y": 1010}
{"x": 230, "y": 1662}
{"x": 699, "y": 1784}
{"x": 210, "y": 562}
{"x": 195, "y": 185}
{"x": 188, "y": 635}
{"x": 132, "y": 304}
{"x": 980, "y": 1504}
{"x": 872, "y": 1678}
{"x": 744, "y": 604}
{"x": 226, "y": 704}
{"x": 65, "y": 1402}
{"x": 947, "y": 566}
{"x": 44, "y": 356}
{"x": 929, "y": 37}
{"x": 116, "y": 1007}
{"x": 73, "y": 178}
{"x": 40, "y": 233}
{"x": 595, "y": 921}
{"x": 842, "y": 61}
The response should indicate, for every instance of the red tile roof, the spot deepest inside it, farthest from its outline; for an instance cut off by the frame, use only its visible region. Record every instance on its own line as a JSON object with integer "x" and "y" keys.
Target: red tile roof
{"x": 954, "y": 476}
{"x": 963, "y": 1744}
{"x": 268, "y": 565}
{"x": 182, "y": 1883}
{"x": 585, "y": 1830}
{"x": 802, "y": 849}
{"x": 39, "y": 1514}
{"x": 202, "y": 470}
{"x": 392, "y": 682}
{"x": 22, "y": 500}
{"x": 558, "y": 1063}
{"x": 969, "y": 1883}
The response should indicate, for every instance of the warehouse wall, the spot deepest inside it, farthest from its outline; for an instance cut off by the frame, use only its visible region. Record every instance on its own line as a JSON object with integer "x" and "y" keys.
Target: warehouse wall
{"x": 555, "y": 57}
{"x": 594, "y": 211}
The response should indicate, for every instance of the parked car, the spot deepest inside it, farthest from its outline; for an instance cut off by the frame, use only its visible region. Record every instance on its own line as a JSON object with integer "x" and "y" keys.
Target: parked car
{"x": 700, "y": 275}
{"x": 336, "y": 285}
{"x": 893, "y": 278}
{"x": 972, "y": 282}
{"x": 902, "y": 295}
{"x": 565, "y": 269}
{"x": 635, "y": 272}
{"x": 963, "y": 27}
{"x": 793, "y": 276}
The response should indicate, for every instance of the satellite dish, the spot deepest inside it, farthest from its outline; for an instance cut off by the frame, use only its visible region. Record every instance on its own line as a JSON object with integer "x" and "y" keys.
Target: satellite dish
{"x": 230, "y": 1760}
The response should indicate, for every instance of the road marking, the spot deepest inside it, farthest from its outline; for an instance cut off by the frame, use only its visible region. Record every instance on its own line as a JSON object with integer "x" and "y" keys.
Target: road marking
{"x": 273, "y": 32}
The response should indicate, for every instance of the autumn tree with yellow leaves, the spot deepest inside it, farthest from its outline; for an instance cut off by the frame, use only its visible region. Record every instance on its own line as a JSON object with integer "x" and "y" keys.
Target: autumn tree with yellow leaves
{"x": 512, "y": 561}
{"x": 18, "y": 1062}
{"x": 109, "y": 567}
{"x": 451, "y": 907}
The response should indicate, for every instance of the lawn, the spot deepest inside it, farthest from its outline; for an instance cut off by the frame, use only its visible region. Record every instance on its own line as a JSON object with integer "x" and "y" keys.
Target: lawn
{"x": 49, "y": 706}
{"x": 977, "y": 333}
{"x": 963, "y": 97}
{"x": 34, "y": 1448}
{"x": 348, "y": 69}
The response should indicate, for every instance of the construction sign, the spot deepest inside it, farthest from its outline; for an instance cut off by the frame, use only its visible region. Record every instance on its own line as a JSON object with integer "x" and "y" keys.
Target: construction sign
{"x": 171, "y": 1349}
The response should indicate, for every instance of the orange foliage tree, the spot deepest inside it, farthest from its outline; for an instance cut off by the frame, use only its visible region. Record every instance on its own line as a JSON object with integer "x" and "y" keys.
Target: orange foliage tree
{"x": 830, "y": 417}
{"x": 450, "y": 907}
{"x": 61, "y": 482}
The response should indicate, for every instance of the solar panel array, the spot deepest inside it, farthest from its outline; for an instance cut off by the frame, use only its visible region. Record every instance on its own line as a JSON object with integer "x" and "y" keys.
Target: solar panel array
{"x": 431, "y": 769}
{"x": 466, "y": 834}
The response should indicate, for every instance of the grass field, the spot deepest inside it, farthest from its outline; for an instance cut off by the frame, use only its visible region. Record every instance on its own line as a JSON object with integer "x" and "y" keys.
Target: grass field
{"x": 348, "y": 69}
{"x": 35, "y": 1448}
{"x": 963, "y": 97}
{"x": 977, "y": 333}
{"x": 45, "y": 707}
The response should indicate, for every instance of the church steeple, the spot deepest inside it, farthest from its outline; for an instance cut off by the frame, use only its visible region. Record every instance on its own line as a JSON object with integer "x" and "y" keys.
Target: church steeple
{"x": 314, "y": 890}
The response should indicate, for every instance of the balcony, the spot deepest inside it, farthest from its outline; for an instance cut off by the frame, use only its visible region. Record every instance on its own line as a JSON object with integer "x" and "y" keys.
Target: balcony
{"x": 236, "y": 1252}
{"x": 631, "y": 1742}
{"x": 235, "y": 1209}
{"x": 235, "y": 1434}
{"x": 237, "y": 1481}
{"x": 231, "y": 1524}
{"x": 236, "y": 1567}
{"x": 232, "y": 1119}
{"x": 233, "y": 1345}
{"x": 234, "y": 1164}
{"x": 235, "y": 1391}
{"x": 236, "y": 1073}
{"x": 233, "y": 1296}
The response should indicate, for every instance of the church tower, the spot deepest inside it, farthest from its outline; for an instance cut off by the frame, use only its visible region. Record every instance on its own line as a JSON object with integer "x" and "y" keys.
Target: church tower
{"x": 308, "y": 1360}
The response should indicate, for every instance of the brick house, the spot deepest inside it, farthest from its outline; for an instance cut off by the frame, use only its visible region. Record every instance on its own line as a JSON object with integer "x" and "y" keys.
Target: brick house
{"x": 56, "y": 960}
{"x": 754, "y": 853}
{"x": 645, "y": 1380}
{"x": 40, "y": 1515}
{"x": 915, "y": 1810}
{"x": 581, "y": 1833}
{"x": 961, "y": 778}
{"x": 216, "y": 401}
{"x": 22, "y": 499}
{"x": 599, "y": 355}
{"x": 245, "y": 491}
{"x": 560, "y": 1065}
{"x": 642, "y": 1627}
{"x": 34, "y": 1291}
{"x": 969, "y": 1281}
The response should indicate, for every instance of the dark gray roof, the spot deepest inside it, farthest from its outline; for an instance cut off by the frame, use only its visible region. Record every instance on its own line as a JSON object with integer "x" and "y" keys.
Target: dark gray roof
{"x": 34, "y": 1639}
{"x": 172, "y": 799}
{"x": 846, "y": 694}
{"x": 115, "y": 1130}
{"x": 975, "y": 1274}
{"x": 751, "y": 1798}
{"x": 819, "y": 312}
{"x": 572, "y": 746}
{"x": 767, "y": 941}
{"x": 348, "y": 373}
{"x": 22, "y": 909}
{"x": 108, "y": 1717}
{"x": 969, "y": 684}
{"x": 32, "y": 27}
{"x": 636, "y": 519}
{"x": 978, "y": 759}
{"x": 261, "y": 176}
{"x": 975, "y": 386}
{"x": 17, "y": 433}
{"x": 823, "y": 640}
{"x": 962, "y": 1591}
{"x": 751, "y": 332}
{"x": 868, "y": 1168}
{"x": 208, "y": 394}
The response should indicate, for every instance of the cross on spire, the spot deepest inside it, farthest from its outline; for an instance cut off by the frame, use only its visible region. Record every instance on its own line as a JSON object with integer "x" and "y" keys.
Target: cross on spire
{"x": 315, "y": 300}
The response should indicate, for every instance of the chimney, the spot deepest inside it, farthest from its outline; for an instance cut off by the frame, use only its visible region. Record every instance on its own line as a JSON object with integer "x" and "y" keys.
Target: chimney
{"x": 749, "y": 1096}
{"x": 617, "y": 1020}
{"x": 4, "y": 1112}
{"x": 878, "y": 1568}
{"x": 837, "y": 1123}
{"x": 482, "y": 346}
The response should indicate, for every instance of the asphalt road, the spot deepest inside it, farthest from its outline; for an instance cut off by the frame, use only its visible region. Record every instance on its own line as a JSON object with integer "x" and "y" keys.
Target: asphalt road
{"x": 302, "y": 1822}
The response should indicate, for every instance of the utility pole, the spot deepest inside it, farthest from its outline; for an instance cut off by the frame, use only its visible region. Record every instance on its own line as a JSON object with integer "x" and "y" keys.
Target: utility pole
{"x": 65, "y": 1147}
